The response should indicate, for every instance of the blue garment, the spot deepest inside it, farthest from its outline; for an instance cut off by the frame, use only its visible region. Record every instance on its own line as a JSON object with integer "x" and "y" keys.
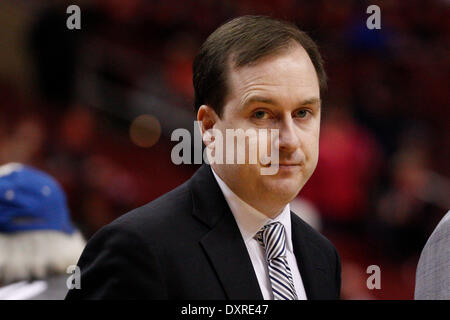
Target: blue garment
{"x": 31, "y": 200}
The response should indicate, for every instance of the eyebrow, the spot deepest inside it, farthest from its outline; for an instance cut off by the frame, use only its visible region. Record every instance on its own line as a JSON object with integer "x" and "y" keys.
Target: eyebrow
{"x": 262, "y": 99}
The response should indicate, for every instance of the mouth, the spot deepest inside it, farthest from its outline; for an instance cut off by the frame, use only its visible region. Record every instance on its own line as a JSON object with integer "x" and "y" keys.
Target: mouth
{"x": 287, "y": 168}
{"x": 290, "y": 166}
{"x": 283, "y": 165}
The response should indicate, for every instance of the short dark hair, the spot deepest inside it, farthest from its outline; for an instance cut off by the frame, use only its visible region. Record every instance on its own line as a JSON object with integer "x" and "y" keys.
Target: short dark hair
{"x": 242, "y": 41}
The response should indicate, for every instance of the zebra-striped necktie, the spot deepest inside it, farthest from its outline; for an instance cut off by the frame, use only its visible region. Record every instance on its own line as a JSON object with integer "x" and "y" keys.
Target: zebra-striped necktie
{"x": 272, "y": 237}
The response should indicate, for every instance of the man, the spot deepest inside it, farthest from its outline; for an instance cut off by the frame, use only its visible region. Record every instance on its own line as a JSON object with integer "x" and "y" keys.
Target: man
{"x": 228, "y": 233}
{"x": 37, "y": 239}
{"x": 433, "y": 270}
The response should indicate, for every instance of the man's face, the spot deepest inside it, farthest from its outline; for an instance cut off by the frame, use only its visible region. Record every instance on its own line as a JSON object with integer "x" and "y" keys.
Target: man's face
{"x": 278, "y": 92}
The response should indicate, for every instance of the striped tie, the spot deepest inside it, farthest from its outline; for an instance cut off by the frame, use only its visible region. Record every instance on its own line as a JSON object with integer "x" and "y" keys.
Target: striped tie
{"x": 272, "y": 237}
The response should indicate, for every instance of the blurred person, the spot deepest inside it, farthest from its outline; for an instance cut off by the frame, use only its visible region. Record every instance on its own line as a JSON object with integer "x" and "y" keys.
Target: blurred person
{"x": 110, "y": 188}
{"x": 410, "y": 206}
{"x": 37, "y": 239}
{"x": 228, "y": 232}
{"x": 76, "y": 130}
{"x": 25, "y": 141}
{"x": 433, "y": 269}
{"x": 349, "y": 162}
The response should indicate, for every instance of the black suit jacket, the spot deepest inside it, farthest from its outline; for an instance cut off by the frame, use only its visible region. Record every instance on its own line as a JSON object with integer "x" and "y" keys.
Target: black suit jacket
{"x": 187, "y": 245}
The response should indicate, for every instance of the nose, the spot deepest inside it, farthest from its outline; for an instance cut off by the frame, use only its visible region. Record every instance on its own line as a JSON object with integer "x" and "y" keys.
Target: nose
{"x": 288, "y": 140}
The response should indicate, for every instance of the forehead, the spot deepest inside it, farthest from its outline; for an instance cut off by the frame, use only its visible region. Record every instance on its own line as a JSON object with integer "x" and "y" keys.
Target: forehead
{"x": 287, "y": 75}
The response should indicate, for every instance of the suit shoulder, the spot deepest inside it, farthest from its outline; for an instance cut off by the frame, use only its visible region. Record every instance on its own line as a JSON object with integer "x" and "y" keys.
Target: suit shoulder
{"x": 439, "y": 240}
{"x": 442, "y": 230}
{"x": 168, "y": 210}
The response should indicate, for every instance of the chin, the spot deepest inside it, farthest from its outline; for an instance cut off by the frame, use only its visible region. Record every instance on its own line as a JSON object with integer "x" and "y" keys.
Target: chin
{"x": 284, "y": 189}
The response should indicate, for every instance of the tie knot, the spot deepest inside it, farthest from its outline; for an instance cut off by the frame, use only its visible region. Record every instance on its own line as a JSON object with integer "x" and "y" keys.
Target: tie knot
{"x": 272, "y": 237}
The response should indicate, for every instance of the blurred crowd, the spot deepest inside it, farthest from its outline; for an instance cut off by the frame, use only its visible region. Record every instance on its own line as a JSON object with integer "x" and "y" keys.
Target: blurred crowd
{"x": 381, "y": 184}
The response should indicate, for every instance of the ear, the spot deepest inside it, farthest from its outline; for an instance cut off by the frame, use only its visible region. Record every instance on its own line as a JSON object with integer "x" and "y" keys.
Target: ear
{"x": 207, "y": 118}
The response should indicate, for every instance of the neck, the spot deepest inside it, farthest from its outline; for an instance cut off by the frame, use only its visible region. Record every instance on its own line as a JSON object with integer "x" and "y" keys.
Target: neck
{"x": 268, "y": 205}
{"x": 269, "y": 210}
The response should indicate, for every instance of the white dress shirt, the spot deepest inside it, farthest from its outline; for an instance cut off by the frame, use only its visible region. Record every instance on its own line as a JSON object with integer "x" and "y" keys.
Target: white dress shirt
{"x": 250, "y": 221}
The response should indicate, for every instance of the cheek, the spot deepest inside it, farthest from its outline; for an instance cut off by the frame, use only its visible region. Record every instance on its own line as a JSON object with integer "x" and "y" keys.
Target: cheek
{"x": 315, "y": 158}
{"x": 311, "y": 148}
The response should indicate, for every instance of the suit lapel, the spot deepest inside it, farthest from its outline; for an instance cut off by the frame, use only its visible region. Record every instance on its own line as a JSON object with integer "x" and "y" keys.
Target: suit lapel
{"x": 228, "y": 254}
{"x": 310, "y": 260}
{"x": 223, "y": 244}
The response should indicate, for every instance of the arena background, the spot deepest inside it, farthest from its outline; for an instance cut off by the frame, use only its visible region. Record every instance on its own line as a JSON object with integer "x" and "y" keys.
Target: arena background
{"x": 72, "y": 103}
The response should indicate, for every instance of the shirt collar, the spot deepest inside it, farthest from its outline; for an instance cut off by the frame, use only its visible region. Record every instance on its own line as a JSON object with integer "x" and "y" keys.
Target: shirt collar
{"x": 251, "y": 220}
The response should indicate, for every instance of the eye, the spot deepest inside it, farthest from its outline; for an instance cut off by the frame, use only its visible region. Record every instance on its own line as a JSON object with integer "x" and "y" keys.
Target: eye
{"x": 302, "y": 113}
{"x": 261, "y": 114}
